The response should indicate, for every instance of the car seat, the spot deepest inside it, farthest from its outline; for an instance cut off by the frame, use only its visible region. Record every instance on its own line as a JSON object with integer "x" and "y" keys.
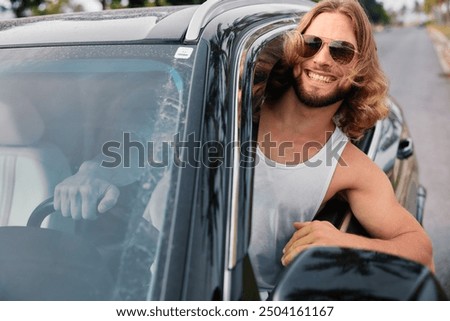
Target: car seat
{"x": 29, "y": 167}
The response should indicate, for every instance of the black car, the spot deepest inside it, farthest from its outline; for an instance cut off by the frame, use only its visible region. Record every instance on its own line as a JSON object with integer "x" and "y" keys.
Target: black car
{"x": 166, "y": 96}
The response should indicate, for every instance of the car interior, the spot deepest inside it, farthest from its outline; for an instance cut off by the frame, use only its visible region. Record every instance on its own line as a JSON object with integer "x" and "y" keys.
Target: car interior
{"x": 48, "y": 131}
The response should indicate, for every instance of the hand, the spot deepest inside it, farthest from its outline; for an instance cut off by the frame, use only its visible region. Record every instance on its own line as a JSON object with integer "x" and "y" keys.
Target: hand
{"x": 78, "y": 195}
{"x": 308, "y": 234}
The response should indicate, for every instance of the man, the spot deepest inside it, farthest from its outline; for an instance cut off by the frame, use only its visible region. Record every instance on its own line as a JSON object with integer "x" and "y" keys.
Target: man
{"x": 337, "y": 91}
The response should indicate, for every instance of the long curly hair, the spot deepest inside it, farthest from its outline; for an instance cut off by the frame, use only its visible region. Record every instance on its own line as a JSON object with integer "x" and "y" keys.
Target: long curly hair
{"x": 366, "y": 103}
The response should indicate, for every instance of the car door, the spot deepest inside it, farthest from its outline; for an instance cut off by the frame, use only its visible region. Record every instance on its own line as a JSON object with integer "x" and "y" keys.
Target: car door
{"x": 248, "y": 83}
{"x": 211, "y": 262}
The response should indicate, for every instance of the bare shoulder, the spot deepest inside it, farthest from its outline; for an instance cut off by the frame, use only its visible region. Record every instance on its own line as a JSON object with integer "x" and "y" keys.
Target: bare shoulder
{"x": 357, "y": 171}
{"x": 353, "y": 159}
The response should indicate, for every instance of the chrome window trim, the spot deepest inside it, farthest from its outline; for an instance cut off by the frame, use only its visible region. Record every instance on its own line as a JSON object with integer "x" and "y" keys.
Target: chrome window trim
{"x": 232, "y": 221}
{"x": 212, "y": 8}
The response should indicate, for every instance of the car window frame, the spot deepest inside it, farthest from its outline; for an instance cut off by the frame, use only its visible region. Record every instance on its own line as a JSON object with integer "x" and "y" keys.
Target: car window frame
{"x": 238, "y": 270}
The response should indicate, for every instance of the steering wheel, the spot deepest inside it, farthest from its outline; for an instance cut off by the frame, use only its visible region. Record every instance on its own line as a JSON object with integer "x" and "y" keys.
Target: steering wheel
{"x": 41, "y": 212}
{"x": 27, "y": 269}
{"x": 105, "y": 229}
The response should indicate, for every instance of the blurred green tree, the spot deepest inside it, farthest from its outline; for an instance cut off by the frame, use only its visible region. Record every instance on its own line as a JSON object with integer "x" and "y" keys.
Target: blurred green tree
{"x": 376, "y": 12}
{"x": 179, "y": 2}
{"x": 23, "y": 8}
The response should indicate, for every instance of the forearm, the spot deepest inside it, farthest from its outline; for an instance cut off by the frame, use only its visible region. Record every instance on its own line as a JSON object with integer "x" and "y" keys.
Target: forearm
{"x": 414, "y": 245}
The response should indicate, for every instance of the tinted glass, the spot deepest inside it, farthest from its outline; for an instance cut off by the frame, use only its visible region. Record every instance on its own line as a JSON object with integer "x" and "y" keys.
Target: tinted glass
{"x": 117, "y": 106}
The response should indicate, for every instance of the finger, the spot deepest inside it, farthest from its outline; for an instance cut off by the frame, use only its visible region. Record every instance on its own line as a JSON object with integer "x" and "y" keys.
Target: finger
{"x": 302, "y": 231}
{"x": 297, "y": 243}
{"x": 299, "y": 225}
{"x": 307, "y": 228}
{"x": 64, "y": 202}
{"x": 88, "y": 203}
{"x": 57, "y": 198}
{"x": 75, "y": 206}
{"x": 109, "y": 199}
{"x": 296, "y": 247}
{"x": 75, "y": 203}
{"x": 290, "y": 255}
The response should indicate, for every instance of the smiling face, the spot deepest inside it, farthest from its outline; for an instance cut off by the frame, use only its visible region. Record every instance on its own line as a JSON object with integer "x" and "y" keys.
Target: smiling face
{"x": 321, "y": 81}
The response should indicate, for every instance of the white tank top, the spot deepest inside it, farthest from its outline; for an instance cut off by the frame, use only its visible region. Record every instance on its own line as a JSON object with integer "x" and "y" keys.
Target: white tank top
{"x": 285, "y": 194}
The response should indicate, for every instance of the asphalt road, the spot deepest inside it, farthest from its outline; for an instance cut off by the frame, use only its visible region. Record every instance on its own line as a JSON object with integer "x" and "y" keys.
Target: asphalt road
{"x": 417, "y": 82}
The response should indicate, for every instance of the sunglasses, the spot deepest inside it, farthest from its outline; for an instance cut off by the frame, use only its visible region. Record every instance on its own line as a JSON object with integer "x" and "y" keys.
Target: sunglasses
{"x": 342, "y": 52}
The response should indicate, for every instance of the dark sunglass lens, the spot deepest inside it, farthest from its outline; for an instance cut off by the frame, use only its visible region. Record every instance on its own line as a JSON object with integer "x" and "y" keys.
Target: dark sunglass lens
{"x": 342, "y": 52}
{"x": 311, "y": 45}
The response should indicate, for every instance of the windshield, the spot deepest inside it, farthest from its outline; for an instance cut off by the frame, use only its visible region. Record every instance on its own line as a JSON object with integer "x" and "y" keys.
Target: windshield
{"x": 64, "y": 109}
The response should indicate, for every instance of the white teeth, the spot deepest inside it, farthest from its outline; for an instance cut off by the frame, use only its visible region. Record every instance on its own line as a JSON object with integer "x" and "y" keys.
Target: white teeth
{"x": 318, "y": 77}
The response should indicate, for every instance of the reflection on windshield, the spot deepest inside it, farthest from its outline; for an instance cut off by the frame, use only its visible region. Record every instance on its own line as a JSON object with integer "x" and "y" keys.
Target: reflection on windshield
{"x": 64, "y": 109}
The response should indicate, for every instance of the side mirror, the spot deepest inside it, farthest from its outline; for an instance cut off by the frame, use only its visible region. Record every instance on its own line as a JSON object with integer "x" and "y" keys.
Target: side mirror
{"x": 330, "y": 273}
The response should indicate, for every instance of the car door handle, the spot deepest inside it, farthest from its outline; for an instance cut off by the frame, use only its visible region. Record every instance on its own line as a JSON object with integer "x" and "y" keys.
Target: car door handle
{"x": 405, "y": 148}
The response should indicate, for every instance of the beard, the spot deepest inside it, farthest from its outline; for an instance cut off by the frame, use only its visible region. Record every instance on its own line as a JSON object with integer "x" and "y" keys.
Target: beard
{"x": 314, "y": 100}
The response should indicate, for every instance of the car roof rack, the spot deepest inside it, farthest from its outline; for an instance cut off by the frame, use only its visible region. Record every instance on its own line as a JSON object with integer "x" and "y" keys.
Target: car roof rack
{"x": 212, "y": 8}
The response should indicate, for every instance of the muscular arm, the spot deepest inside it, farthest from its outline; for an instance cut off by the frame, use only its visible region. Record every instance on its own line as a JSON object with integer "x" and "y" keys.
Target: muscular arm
{"x": 393, "y": 229}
